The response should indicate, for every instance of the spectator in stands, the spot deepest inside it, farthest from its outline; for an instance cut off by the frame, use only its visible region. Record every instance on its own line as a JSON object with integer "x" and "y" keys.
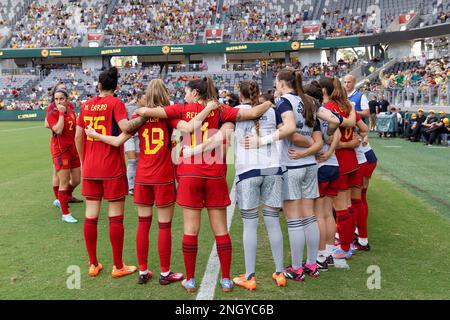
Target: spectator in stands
{"x": 373, "y": 110}
{"x": 435, "y": 130}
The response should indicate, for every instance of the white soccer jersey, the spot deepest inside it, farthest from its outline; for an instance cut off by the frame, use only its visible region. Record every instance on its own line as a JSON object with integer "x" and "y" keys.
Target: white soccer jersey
{"x": 332, "y": 160}
{"x": 265, "y": 156}
{"x": 302, "y": 128}
{"x": 361, "y": 154}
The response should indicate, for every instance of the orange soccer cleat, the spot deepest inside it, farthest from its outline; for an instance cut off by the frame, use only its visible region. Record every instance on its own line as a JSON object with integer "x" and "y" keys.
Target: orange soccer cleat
{"x": 125, "y": 271}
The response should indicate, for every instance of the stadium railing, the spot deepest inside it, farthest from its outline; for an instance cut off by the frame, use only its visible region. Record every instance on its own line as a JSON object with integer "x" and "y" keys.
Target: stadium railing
{"x": 413, "y": 96}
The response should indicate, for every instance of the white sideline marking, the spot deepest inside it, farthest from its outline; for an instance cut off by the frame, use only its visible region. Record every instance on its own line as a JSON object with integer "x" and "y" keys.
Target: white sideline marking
{"x": 208, "y": 285}
{"x": 20, "y": 129}
{"x": 393, "y": 146}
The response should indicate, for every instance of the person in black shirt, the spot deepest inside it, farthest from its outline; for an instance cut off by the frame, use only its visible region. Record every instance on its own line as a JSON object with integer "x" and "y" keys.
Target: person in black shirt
{"x": 428, "y": 124}
{"x": 373, "y": 106}
{"x": 435, "y": 129}
{"x": 383, "y": 104}
{"x": 416, "y": 127}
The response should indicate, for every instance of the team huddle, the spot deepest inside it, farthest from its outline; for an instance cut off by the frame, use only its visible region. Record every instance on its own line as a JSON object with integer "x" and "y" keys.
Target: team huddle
{"x": 304, "y": 155}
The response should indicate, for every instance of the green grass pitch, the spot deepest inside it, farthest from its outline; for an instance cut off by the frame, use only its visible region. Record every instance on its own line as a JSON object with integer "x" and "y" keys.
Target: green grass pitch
{"x": 409, "y": 223}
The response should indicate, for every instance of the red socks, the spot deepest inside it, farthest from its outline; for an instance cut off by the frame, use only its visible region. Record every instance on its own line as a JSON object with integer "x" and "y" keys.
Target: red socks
{"x": 344, "y": 225}
{"x": 361, "y": 217}
{"x": 224, "y": 251}
{"x": 116, "y": 235}
{"x": 142, "y": 241}
{"x": 90, "y": 239}
{"x": 190, "y": 246}
{"x": 55, "y": 191}
{"x": 165, "y": 245}
{"x": 70, "y": 190}
{"x": 364, "y": 200}
{"x": 63, "y": 197}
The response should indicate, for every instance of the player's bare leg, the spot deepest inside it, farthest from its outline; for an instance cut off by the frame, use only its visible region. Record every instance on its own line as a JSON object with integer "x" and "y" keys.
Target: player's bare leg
{"x": 75, "y": 179}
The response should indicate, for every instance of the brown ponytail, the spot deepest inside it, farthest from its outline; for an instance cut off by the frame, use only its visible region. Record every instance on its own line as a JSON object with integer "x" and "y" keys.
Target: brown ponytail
{"x": 340, "y": 96}
{"x": 336, "y": 93}
{"x": 205, "y": 88}
{"x": 211, "y": 92}
{"x": 250, "y": 90}
{"x": 308, "y": 102}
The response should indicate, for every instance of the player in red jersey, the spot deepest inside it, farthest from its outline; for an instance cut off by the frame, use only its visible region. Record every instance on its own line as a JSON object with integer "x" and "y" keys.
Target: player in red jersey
{"x": 75, "y": 175}
{"x": 202, "y": 179}
{"x": 62, "y": 120}
{"x": 336, "y": 100}
{"x": 104, "y": 169}
{"x": 155, "y": 179}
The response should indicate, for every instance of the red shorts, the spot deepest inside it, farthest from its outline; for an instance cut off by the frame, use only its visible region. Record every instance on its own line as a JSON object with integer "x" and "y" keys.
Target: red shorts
{"x": 147, "y": 195}
{"x": 113, "y": 189}
{"x": 327, "y": 190}
{"x": 358, "y": 181}
{"x": 67, "y": 160}
{"x": 197, "y": 193}
{"x": 345, "y": 181}
{"x": 369, "y": 168}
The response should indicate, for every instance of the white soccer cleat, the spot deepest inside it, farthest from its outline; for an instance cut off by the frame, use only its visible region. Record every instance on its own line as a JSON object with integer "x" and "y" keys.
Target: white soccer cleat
{"x": 69, "y": 219}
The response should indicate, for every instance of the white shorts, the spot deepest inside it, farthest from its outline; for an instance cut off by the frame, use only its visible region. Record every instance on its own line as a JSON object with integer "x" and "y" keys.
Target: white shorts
{"x": 301, "y": 183}
{"x": 132, "y": 144}
{"x": 252, "y": 192}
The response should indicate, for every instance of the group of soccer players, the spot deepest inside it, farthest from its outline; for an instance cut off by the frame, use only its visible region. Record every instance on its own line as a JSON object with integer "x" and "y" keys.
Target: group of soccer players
{"x": 289, "y": 159}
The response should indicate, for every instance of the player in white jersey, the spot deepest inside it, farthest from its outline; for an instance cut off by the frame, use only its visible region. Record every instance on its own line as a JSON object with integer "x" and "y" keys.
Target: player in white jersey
{"x": 258, "y": 182}
{"x": 328, "y": 171}
{"x": 300, "y": 186}
{"x": 131, "y": 146}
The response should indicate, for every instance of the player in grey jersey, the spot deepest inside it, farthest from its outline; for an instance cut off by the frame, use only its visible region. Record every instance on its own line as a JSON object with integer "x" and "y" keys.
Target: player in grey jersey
{"x": 131, "y": 146}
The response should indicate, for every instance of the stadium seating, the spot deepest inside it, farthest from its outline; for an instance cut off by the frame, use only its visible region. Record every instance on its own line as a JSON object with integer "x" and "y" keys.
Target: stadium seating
{"x": 10, "y": 12}
{"x": 263, "y": 20}
{"x": 57, "y": 23}
{"x": 150, "y": 22}
{"x": 158, "y": 22}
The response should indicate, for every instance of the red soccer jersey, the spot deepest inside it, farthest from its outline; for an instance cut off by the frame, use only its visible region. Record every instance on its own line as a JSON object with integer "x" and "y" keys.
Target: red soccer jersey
{"x": 206, "y": 165}
{"x": 155, "y": 164}
{"x": 64, "y": 141}
{"x": 346, "y": 157}
{"x": 100, "y": 160}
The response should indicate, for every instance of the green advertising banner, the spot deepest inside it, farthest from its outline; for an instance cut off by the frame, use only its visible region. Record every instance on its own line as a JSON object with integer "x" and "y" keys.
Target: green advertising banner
{"x": 22, "y": 115}
{"x": 179, "y": 49}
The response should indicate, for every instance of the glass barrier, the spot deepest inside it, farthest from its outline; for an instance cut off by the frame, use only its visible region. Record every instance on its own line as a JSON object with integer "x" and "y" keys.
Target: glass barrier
{"x": 422, "y": 95}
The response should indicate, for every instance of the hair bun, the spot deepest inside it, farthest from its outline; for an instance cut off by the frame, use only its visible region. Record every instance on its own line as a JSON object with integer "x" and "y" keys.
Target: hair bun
{"x": 113, "y": 72}
{"x": 205, "y": 79}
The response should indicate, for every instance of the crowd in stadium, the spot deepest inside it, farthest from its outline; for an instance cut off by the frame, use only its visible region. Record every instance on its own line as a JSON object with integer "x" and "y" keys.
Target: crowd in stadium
{"x": 415, "y": 76}
{"x": 145, "y": 23}
{"x": 138, "y": 22}
{"x": 56, "y": 24}
{"x": 246, "y": 21}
